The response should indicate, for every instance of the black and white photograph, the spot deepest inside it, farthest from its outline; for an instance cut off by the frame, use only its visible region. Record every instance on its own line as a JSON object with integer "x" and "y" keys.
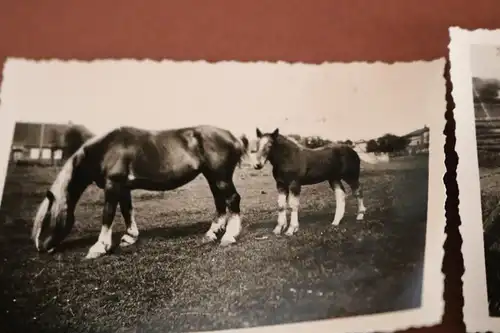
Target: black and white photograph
{"x": 475, "y": 73}
{"x": 189, "y": 196}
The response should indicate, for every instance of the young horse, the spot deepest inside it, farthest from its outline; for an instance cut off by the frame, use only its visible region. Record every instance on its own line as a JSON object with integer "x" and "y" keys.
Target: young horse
{"x": 128, "y": 158}
{"x": 295, "y": 165}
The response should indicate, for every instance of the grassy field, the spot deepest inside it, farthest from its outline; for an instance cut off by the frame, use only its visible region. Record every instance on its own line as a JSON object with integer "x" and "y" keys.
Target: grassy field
{"x": 490, "y": 183}
{"x": 170, "y": 282}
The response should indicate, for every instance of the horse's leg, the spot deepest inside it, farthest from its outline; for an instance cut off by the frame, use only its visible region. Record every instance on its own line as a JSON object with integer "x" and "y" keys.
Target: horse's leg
{"x": 233, "y": 199}
{"x": 339, "y": 190}
{"x": 358, "y": 193}
{"x": 293, "y": 202}
{"x": 282, "y": 198}
{"x": 220, "y": 206}
{"x": 104, "y": 242}
{"x": 127, "y": 210}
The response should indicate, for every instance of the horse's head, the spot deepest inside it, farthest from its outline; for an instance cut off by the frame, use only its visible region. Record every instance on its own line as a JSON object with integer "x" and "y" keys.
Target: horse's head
{"x": 55, "y": 216}
{"x": 263, "y": 148}
{"x": 52, "y": 222}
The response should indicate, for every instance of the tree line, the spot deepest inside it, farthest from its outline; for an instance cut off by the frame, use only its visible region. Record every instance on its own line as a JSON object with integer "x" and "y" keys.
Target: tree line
{"x": 388, "y": 143}
{"x": 486, "y": 90}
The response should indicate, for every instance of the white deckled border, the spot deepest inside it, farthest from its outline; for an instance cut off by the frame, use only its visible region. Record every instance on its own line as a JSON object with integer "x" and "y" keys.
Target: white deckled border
{"x": 432, "y": 307}
{"x": 476, "y": 314}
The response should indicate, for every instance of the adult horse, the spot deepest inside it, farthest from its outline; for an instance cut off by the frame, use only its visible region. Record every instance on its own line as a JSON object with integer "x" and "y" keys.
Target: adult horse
{"x": 129, "y": 158}
{"x": 295, "y": 165}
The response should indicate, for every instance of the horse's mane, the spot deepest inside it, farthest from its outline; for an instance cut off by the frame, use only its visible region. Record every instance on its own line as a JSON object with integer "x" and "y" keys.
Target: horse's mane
{"x": 294, "y": 141}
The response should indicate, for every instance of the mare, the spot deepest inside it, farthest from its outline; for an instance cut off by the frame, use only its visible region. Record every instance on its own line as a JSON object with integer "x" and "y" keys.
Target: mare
{"x": 294, "y": 165}
{"x": 129, "y": 158}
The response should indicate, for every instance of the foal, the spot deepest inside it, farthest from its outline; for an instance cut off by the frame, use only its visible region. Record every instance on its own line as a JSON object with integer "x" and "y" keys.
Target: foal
{"x": 295, "y": 165}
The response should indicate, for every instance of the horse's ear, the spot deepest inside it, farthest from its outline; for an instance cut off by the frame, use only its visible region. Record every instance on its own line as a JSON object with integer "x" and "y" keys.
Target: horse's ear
{"x": 259, "y": 133}
{"x": 276, "y": 133}
{"x": 50, "y": 196}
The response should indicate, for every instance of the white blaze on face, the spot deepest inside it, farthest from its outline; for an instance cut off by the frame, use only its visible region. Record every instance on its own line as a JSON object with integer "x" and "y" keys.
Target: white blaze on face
{"x": 262, "y": 150}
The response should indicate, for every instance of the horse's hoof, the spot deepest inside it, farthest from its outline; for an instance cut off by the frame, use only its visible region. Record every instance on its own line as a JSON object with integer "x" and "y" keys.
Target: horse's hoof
{"x": 93, "y": 255}
{"x": 277, "y": 231}
{"x": 127, "y": 240}
{"x": 209, "y": 238}
{"x": 335, "y": 223}
{"x": 97, "y": 250}
{"x": 290, "y": 232}
{"x": 227, "y": 241}
{"x": 360, "y": 217}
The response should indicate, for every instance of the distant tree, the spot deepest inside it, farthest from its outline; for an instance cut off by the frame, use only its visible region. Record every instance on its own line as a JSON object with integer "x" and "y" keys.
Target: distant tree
{"x": 487, "y": 89}
{"x": 296, "y": 137}
{"x": 349, "y": 143}
{"x": 372, "y": 146}
{"x": 390, "y": 143}
{"x": 73, "y": 140}
{"x": 315, "y": 141}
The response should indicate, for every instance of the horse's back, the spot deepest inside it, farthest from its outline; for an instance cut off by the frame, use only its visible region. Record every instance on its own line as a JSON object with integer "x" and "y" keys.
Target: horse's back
{"x": 333, "y": 161}
{"x": 189, "y": 148}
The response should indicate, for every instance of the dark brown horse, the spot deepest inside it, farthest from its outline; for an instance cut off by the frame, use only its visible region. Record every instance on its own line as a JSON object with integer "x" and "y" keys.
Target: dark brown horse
{"x": 295, "y": 165}
{"x": 128, "y": 158}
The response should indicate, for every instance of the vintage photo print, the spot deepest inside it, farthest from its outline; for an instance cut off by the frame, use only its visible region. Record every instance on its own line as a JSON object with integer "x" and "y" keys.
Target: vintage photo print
{"x": 143, "y": 196}
{"x": 475, "y": 75}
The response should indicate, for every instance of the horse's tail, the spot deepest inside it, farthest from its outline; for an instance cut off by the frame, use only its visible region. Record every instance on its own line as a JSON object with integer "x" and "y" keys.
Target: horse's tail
{"x": 243, "y": 148}
{"x": 366, "y": 157}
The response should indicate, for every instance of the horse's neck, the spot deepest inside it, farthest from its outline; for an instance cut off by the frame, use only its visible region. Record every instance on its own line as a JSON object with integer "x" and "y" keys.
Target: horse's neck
{"x": 69, "y": 184}
{"x": 283, "y": 151}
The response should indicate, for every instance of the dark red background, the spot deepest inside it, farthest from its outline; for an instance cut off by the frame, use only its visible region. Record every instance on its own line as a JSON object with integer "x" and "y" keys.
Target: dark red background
{"x": 290, "y": 30}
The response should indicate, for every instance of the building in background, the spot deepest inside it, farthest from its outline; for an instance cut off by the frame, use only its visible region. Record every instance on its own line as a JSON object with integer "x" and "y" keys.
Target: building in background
{"x": 418, "y": 141}
{"x": 40, "y": 142}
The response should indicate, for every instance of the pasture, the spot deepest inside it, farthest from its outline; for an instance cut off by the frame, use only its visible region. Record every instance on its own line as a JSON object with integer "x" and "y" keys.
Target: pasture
{"x": 490, "y": 184}
{"x": 170, "y": 282}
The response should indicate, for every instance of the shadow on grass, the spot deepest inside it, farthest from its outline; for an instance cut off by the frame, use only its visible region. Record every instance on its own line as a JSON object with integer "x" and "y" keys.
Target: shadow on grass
{"x": 168, "y": 232}
{"x": 306, "y": 218}
{"x": 19, "y": 233}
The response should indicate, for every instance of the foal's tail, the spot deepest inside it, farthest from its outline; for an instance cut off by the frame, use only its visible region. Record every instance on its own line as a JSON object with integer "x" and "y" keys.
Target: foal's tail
{"x": 365, "y": 157}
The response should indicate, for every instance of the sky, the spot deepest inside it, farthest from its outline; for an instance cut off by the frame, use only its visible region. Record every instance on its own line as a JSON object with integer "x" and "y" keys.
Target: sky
{"x": 485, "y": 61}
{"x": 334, "y": 100}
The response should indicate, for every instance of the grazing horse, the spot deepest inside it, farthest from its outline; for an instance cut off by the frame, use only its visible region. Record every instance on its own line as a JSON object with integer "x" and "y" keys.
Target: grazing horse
{"x": 295, "y": 165}
{"x": 129, "y": 158}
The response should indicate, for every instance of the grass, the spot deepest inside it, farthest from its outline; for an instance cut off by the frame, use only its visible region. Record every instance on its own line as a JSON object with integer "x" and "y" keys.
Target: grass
{"x": 171, "y": 282}
{"x": 490, "y": 183}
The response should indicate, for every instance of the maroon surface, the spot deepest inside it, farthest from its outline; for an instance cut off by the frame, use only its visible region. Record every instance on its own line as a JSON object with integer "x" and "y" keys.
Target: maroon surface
{"x": 307, "y": 31}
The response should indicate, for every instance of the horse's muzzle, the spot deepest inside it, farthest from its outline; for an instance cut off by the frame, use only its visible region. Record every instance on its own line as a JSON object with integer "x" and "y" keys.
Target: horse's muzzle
{"x": 46, "y": 245}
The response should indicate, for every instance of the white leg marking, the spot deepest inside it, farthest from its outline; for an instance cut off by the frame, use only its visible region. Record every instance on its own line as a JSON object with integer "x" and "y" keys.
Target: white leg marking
{"x": 281, "y": 214}
{"x": 233, "y": 229}
{"x": 361, "y": 209}
{"x": 293, "y": 202}
{"x": 215, "y": 227}
{"x": 340, "y": 204}
{"x": 132, "y": 233}
{"x": 102, "y": 245}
